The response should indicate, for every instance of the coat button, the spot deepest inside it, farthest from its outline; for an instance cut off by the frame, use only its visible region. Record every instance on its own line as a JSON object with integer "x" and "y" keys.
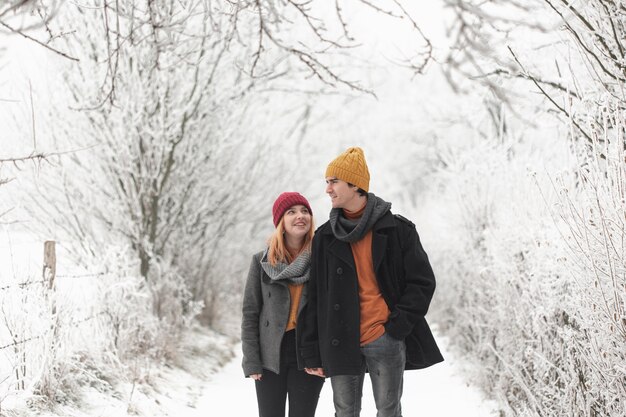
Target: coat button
{"x": 339, "y": 271}
{"x": 267, "y": 323}
{"x": 334, "y": 342}
{"x": 269, "y": 295}
{"x": 336, "y": 307}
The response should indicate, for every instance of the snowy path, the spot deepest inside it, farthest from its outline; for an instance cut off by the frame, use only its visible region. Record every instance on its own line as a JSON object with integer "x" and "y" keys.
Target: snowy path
{"x": 438, "y": 391}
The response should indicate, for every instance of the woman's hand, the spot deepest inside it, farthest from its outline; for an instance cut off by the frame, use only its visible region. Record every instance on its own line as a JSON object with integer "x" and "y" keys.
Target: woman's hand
{"x": 256, "y": 377}
{"x": 315, "y": 371}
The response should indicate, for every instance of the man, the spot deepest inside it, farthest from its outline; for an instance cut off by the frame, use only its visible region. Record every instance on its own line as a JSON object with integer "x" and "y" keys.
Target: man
{"x": 369, "y": 290}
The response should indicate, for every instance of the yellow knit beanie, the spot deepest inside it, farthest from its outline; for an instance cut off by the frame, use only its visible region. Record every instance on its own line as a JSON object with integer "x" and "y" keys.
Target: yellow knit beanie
{"x": 351, "y": 167}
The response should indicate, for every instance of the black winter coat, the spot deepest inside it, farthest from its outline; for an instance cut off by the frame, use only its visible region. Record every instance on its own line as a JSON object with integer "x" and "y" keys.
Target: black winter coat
{"x": 330, "y": 336}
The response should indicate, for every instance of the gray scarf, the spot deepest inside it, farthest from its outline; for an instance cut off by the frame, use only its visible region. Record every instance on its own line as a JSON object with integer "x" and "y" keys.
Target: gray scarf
{"x": 296, "y": 272}
{"x": 351, "y": 231}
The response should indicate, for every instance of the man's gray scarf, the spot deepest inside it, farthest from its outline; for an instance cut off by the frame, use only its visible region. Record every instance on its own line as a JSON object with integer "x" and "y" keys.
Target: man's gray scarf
{"x": 351, "y": 231}
{"x": 296, "y": 272}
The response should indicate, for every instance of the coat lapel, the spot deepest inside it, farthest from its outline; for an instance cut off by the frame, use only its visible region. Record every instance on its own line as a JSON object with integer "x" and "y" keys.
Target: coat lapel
{"x": 379, "y": 240}
{"x": 342, "y": 251}
{"x": 379, "y": 247}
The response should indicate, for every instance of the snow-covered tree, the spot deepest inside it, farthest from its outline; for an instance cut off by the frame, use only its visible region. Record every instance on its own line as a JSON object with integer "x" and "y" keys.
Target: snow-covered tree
{"x": 21, "y": 18}
{"x": 537, "y": 288}
{"x": 156, "y": 105}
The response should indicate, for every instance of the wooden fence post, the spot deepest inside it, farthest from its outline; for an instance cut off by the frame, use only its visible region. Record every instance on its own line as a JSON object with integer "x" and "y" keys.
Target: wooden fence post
{"x": 49, "y": 263}
{"x": 49, "y": 274}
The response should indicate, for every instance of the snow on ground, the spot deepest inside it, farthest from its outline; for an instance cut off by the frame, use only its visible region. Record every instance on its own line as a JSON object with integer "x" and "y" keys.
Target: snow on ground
{"x": 150, "y": 390}
{"x": 438, "y": 391}
{"x": 206, "y": 380}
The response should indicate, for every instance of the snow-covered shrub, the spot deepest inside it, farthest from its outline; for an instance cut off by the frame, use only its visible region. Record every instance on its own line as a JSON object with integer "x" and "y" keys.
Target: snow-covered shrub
{"x": 534, "y": 283}
{"x": 594, "y": 217}
{"x": 93, "y": 327}
{"x": 43, "y": 324}
{"x": 532, "y": 272}
{"x": 148, "y": 318}
{"x": 26, "y": 320}
{"x": 500, "y": 268}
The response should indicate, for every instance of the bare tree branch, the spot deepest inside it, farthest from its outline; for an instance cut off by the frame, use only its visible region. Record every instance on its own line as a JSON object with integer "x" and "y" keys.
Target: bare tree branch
{"x": 21, "y": 33}
{"x": 32, "y": 114}
{"x": 39, "y": 156}
{"x": 549, "y": 97}
{"x": 425, "y": 57}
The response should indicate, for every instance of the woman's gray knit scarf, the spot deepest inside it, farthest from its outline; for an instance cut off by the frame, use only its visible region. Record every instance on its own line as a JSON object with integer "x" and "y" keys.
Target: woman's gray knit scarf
{"x": 296, "y": 272}
{"x": 351, "y": 231}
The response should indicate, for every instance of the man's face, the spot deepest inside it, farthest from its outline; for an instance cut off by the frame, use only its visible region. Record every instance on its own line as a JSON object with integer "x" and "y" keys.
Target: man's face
{"x": 340, "y": 192}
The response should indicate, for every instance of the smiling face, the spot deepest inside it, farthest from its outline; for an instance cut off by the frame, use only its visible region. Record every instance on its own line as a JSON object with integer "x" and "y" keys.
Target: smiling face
{"x": 342, "y": 194}
{"x": 297, "y": 222}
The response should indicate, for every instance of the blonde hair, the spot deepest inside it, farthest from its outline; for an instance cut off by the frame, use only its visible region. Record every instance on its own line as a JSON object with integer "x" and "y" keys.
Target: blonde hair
{"x": 278, "y": 249}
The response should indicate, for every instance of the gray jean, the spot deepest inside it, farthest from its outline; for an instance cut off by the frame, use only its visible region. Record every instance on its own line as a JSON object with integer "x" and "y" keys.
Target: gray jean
{"x": 384, "y": 359}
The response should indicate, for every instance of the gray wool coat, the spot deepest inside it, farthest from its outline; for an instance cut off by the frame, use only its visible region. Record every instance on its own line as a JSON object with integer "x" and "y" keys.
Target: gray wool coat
{"x": 265, "y": 313}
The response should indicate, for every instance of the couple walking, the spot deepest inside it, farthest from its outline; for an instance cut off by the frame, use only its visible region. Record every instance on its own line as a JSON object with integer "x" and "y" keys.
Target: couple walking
{"x": 345, "y": 301}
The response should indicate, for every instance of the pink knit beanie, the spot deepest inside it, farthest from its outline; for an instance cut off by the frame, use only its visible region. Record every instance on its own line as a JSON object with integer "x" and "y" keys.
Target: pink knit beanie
{"x": 286, "y": 200}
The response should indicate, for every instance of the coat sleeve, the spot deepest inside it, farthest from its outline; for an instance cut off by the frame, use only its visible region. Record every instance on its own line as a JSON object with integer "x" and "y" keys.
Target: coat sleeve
{"x": 309, "y": 343}
{"x": 419, "y": 285}
{"x": 252, "y": 305}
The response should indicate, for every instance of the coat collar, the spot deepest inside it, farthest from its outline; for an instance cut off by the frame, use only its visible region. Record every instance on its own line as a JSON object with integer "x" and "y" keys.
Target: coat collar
{"x": 385, "y": 222}
{"x": 379, "y": 242}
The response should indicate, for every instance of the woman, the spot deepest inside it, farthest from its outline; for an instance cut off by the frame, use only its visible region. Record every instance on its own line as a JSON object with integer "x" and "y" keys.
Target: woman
{"x": 274, "y": 298}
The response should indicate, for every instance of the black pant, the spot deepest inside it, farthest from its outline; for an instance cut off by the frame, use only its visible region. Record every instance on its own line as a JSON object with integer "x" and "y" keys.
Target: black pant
{"x": 303, "y": 389}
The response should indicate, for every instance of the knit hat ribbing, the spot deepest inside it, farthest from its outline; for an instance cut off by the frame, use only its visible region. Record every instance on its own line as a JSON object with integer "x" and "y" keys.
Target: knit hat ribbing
{"x": 286, "y": 200}
{"x": 350, "y": 167}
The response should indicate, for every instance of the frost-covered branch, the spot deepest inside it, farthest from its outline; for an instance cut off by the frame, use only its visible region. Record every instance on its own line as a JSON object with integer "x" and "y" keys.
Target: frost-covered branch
{"x": 21, "y": 12}
{"x": 313, "y": 32}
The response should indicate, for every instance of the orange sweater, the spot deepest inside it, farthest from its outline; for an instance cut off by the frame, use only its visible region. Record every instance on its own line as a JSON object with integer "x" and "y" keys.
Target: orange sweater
{"x": 374, "y": 309}
{"x": 295, "y": 291}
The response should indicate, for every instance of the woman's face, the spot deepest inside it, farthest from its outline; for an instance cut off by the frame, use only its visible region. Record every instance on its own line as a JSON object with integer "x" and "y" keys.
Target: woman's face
{"x": 297, "y": 221}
